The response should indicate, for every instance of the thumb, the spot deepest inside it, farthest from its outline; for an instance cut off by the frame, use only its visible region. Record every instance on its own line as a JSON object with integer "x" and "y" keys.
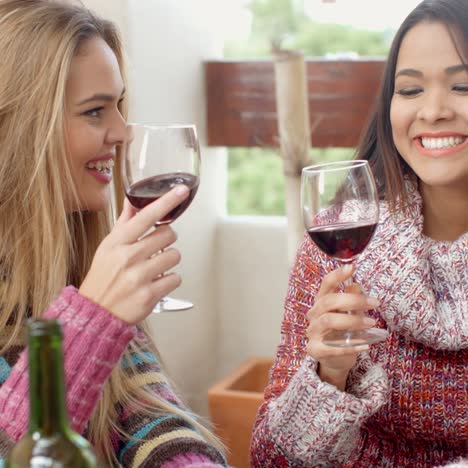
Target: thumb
{"x": 354, "y": 288}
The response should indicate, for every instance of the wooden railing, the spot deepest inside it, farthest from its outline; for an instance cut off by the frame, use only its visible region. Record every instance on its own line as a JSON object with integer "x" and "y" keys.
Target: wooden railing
{"x": 241, "y": 109}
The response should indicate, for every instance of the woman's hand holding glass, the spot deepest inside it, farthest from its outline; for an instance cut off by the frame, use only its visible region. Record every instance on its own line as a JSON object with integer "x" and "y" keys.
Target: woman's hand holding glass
{"x": 340, "y": 206}
{"x": 155, "y": 159}
{"x": 336, "y": 362}
{"x": 129, "y": 272}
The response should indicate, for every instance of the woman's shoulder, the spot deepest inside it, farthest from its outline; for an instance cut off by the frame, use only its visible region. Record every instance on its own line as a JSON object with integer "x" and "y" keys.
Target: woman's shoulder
{"x": 405, "y": 219}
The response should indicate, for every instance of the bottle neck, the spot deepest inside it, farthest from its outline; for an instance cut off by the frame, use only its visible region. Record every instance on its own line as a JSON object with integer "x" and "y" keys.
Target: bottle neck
{"x": 48, "y": 414}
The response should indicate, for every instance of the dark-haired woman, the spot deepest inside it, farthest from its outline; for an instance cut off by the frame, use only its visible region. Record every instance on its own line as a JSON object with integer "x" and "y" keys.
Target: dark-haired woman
{"x": 402, "y": 402}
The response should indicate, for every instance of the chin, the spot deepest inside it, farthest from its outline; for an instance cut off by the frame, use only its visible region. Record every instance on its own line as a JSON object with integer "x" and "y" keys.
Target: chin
{"x": 100, "y": 202}
{"x": 96, "y": 207}
{"x": 444, "y": 181}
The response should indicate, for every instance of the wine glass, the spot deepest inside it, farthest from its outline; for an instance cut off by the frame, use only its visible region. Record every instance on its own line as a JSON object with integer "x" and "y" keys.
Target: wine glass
{"x": 155, "y": 159}
{"x": 340, "y": 208}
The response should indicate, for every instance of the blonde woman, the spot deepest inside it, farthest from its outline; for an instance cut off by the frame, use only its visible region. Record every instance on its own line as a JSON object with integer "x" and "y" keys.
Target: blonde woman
{"x": 62, "y": 109}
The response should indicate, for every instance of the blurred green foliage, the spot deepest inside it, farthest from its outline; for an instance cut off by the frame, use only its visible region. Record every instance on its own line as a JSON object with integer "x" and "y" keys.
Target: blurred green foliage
{"x": 256, "y": 181}
{"x": 255, "y": 177}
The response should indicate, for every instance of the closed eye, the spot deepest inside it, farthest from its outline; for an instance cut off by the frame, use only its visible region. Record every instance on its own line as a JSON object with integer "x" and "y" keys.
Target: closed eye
{"x": 461, "y": 88}
{"x": 409, "y": 92}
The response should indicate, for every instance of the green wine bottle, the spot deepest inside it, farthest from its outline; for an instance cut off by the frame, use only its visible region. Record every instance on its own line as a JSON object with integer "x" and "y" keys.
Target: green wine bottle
{"x": 49, "y": 442}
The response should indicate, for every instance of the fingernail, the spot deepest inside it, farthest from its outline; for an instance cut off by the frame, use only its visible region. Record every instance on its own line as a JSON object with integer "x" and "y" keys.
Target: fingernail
{"x": 181, "y": 190}
{"x": 373, "y": 301}
{"x": 369, "y": 321}
{"x": 348, "y": 269}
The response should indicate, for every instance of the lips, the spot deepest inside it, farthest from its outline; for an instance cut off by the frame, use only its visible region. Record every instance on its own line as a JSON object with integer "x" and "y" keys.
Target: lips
{"x": 101, "y": 165}
{"x": 440, "y": 144}
{"x": 101, "y": 168}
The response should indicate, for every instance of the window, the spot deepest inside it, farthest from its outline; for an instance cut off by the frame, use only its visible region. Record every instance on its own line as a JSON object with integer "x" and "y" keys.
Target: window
{"x": 255, "y": 177}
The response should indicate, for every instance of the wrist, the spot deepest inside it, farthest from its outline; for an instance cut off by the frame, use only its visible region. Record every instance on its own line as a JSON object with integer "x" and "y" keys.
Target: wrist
{"x": 336, "y": 377}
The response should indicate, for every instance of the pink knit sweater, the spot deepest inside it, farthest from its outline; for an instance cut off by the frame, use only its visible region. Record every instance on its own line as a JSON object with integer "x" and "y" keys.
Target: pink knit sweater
{"x": 94, "y": 341}
{"x": 406, "y": 400}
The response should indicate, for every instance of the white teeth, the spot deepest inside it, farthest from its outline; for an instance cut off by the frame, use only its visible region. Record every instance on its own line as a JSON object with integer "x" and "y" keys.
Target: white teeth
{"x": 101, "y": 166}
{"x": 440, "y": 143}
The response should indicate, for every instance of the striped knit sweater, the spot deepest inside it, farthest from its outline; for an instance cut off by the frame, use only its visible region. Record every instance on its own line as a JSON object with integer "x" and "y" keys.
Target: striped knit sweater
{"x": 94, "y": 341}
{"x": 406, "y": 400}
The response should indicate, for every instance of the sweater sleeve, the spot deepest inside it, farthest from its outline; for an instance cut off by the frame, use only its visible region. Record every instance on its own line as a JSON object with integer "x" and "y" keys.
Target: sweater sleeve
{"x": 162, "y": 438}
{"x": 93, "y": 342}
{"x": 304, "y": 421}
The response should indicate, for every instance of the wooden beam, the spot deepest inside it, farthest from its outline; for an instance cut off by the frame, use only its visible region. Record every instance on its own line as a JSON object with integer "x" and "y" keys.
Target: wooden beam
{"x": 241, "y": 108}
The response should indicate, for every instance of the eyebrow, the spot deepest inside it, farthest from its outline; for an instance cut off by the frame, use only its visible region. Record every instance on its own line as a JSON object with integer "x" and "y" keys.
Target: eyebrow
{"x": 101, "y": 97}
{"x": 457, "y": 68}
{"x": 449, "y": 71}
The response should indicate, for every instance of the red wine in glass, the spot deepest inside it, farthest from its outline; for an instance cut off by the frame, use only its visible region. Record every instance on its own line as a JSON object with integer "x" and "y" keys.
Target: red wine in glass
{"x": 156, "y": 158}
{"x": 342, "y": 241}
{"x": 340, "y": 207}
{"x": 145, "y": 191}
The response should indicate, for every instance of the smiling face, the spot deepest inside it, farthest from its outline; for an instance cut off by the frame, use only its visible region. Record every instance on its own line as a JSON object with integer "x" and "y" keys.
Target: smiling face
{"x": 429, "y": 108}
{"x": 94, "y": 124}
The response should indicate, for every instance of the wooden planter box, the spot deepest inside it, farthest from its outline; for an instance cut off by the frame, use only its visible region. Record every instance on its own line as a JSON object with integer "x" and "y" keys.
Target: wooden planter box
{"x": 233, "y": 404}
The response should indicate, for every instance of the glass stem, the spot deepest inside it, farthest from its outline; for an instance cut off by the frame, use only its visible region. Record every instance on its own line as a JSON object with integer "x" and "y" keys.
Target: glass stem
{"x": 348, "y": 282}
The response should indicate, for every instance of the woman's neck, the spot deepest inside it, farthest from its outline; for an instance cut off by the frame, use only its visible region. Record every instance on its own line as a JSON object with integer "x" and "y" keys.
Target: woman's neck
{"x": 445, "y": 211}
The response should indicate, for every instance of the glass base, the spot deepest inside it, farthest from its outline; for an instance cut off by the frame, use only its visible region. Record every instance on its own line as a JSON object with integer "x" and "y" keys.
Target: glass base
{"x": 348, "y": 339}
{"x": 170, "y": 304}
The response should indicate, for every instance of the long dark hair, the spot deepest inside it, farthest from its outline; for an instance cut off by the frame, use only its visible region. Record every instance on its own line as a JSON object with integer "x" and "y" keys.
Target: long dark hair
{"x": 377, "y": 144}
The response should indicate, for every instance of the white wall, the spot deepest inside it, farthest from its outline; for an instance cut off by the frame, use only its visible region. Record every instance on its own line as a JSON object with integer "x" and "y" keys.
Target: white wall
{"x": 234, "y": 269}
{"x": 168, "y": 43}
{"x": 252, "y": 271}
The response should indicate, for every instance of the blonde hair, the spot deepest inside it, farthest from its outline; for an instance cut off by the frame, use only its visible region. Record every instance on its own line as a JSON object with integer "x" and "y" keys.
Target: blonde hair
{"x": 43, "y": 246}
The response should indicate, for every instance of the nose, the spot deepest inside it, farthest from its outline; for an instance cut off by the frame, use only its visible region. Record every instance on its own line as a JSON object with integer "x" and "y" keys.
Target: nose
{"x": 435, "y": 106}
{"x": 117, "y": 133}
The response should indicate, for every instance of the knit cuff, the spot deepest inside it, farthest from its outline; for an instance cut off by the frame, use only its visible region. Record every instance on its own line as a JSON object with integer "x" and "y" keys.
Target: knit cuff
{"x": 315, "y": 422}
{"x": 93, "y": 342}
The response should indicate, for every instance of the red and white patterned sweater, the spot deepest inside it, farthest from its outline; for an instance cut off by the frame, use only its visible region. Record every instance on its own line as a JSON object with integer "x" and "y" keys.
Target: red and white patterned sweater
{"x": 406, "y": 400}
